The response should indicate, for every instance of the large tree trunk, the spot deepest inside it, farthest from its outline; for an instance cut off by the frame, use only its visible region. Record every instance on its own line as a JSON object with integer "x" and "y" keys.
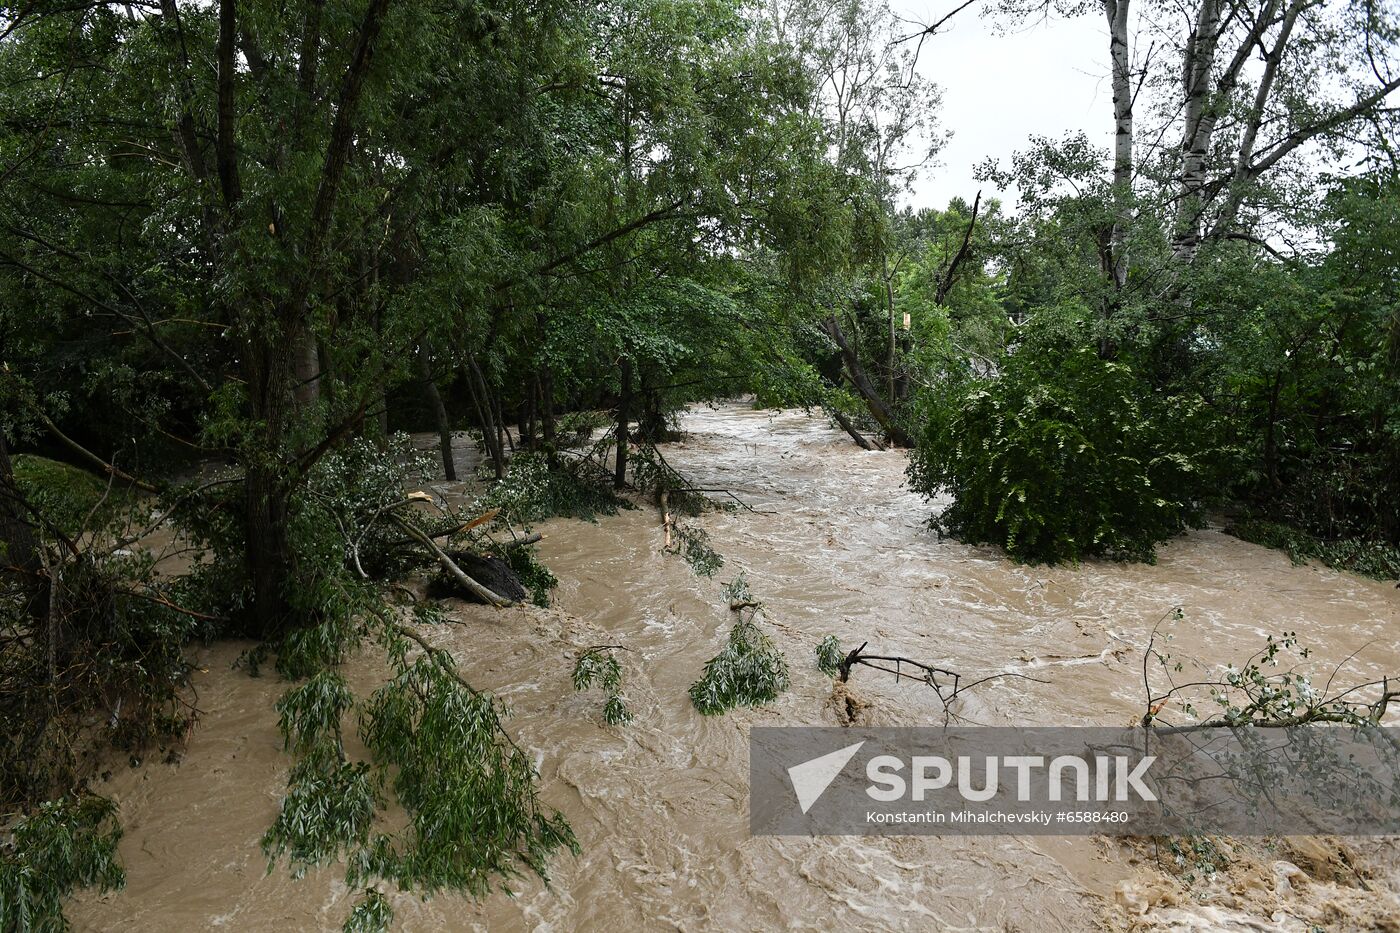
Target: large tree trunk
{"x": 267, "y": 554}
{"x": 308, "y": 368}
{"x": 866, "y": 443}
{"x": 278, "y": 351}
{"x": 1199, "y": 118}
{"x": 1117, "y": 13}
{"x": 433, "y": 397}
{"x": 651, "y": 423}
{"x": 878, "y": 409}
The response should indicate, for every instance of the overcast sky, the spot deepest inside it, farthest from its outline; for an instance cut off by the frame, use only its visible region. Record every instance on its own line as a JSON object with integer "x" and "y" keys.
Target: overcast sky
{"x": 999, "y": 89}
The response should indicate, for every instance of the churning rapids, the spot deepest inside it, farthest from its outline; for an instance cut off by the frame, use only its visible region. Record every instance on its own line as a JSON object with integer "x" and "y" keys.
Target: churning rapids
{"x": 835, "y": 544}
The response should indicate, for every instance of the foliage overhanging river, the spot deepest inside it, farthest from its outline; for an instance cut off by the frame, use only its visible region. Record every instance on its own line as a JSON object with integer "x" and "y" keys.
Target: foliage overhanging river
{"x": 837, "y": 545}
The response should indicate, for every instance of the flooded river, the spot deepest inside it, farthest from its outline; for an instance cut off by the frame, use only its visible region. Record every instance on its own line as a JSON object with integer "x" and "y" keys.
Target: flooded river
{"x": 834, "y": 544}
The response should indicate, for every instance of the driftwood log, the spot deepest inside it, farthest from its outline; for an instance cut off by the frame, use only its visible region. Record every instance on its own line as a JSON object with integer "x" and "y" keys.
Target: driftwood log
{"x": 488, "y": 571}
{"x": 468, "y": 582}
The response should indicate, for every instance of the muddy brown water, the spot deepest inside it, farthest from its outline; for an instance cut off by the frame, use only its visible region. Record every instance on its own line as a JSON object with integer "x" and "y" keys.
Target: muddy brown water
{"x": 835, "y": 544}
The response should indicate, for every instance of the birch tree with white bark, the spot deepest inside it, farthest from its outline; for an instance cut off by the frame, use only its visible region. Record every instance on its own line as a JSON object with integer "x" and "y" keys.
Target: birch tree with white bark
{"x": 1218, "y": 103}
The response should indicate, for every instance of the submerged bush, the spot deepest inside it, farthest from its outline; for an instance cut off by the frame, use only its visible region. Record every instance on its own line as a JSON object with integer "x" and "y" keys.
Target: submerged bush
{"x": 750, "y": 670}
{"x": 1369, "y": 558}
{"x": 1063, "y": 456}
{"x": 92, "y": 662}
{"x": 692, "y": 543}
{"x": 599, "y": 665}
{"x": 468, "y": 790}
{"x": 432, "y": 744}
{"x": 830, "y": 657}
{"x": 64, "y": 845}
{"x": 534, "y": 575}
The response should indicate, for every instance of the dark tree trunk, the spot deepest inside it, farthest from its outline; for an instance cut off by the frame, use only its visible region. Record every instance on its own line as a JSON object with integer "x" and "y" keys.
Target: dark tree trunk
{"x": 439, "y": 411}
{"x": 268, "y": 554}
{"x": 624, "y": 414}
{"x": 325, "y": 384}
{"x": 547, "y": 404}
{"x": 871, "y": 396}
{"x": 308, "y": 368}
{"x": 381, "y": 396}
{"x": 16, "y": 532}
{"x": 486, "y": 417}
{"x": 1271, "y": 432}
{"x": 651, "y": 424}
{"x": 502, "y": 429}
{"x": 859, "y": 438}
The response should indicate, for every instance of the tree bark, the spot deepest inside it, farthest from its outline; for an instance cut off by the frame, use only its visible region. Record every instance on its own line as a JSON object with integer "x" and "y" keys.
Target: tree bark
{"x": 225, "y": 146}
{"x": 866, "y": 443}
{"x": 624, "y": 414}
{"x": 423, "y": 361}
{"x": 276, "y": 350}
{"x": 1199, "y": 126}
{"x": 483, "y": 593}
{"x": 1119, "y": 53}
{"x": 878, "y": 409}
{"x": 307, "y": 369}
{"x": 268, "y": 371}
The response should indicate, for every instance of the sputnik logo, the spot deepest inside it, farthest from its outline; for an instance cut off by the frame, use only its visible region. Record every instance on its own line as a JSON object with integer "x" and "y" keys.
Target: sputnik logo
{"x": 811, "y": 778}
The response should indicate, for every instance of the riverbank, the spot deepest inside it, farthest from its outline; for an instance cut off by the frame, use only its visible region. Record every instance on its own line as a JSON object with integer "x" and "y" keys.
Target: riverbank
{"x": 833, "y": 544}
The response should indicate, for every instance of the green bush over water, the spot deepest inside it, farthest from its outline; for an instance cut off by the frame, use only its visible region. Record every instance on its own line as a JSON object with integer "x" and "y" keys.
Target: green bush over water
{"x": 69, "y": 496}
{"x": 1063, "y": 456}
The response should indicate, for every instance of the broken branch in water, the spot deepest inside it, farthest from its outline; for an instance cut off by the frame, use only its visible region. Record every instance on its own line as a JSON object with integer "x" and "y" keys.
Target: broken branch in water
{"x": 830, "y": 659}
{"x": 1253, "y": 695}
{"x": 929, "y": 675}
{"x": 664, "y": 496}
{"x": 457, "y": 573}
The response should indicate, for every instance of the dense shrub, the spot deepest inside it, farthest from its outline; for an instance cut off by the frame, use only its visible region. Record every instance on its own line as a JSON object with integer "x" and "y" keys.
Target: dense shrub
{"x": 600, "y": 665}
{"x": 95, "y": 663}
{"x": 63, "y": 845}
{"x": 1061, "y": 456}
{"x": 538, "y": 487}
{"x": 1367, "y": 557}
{"x": 434, "y": 747}
{"x": 70, "y": 497}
